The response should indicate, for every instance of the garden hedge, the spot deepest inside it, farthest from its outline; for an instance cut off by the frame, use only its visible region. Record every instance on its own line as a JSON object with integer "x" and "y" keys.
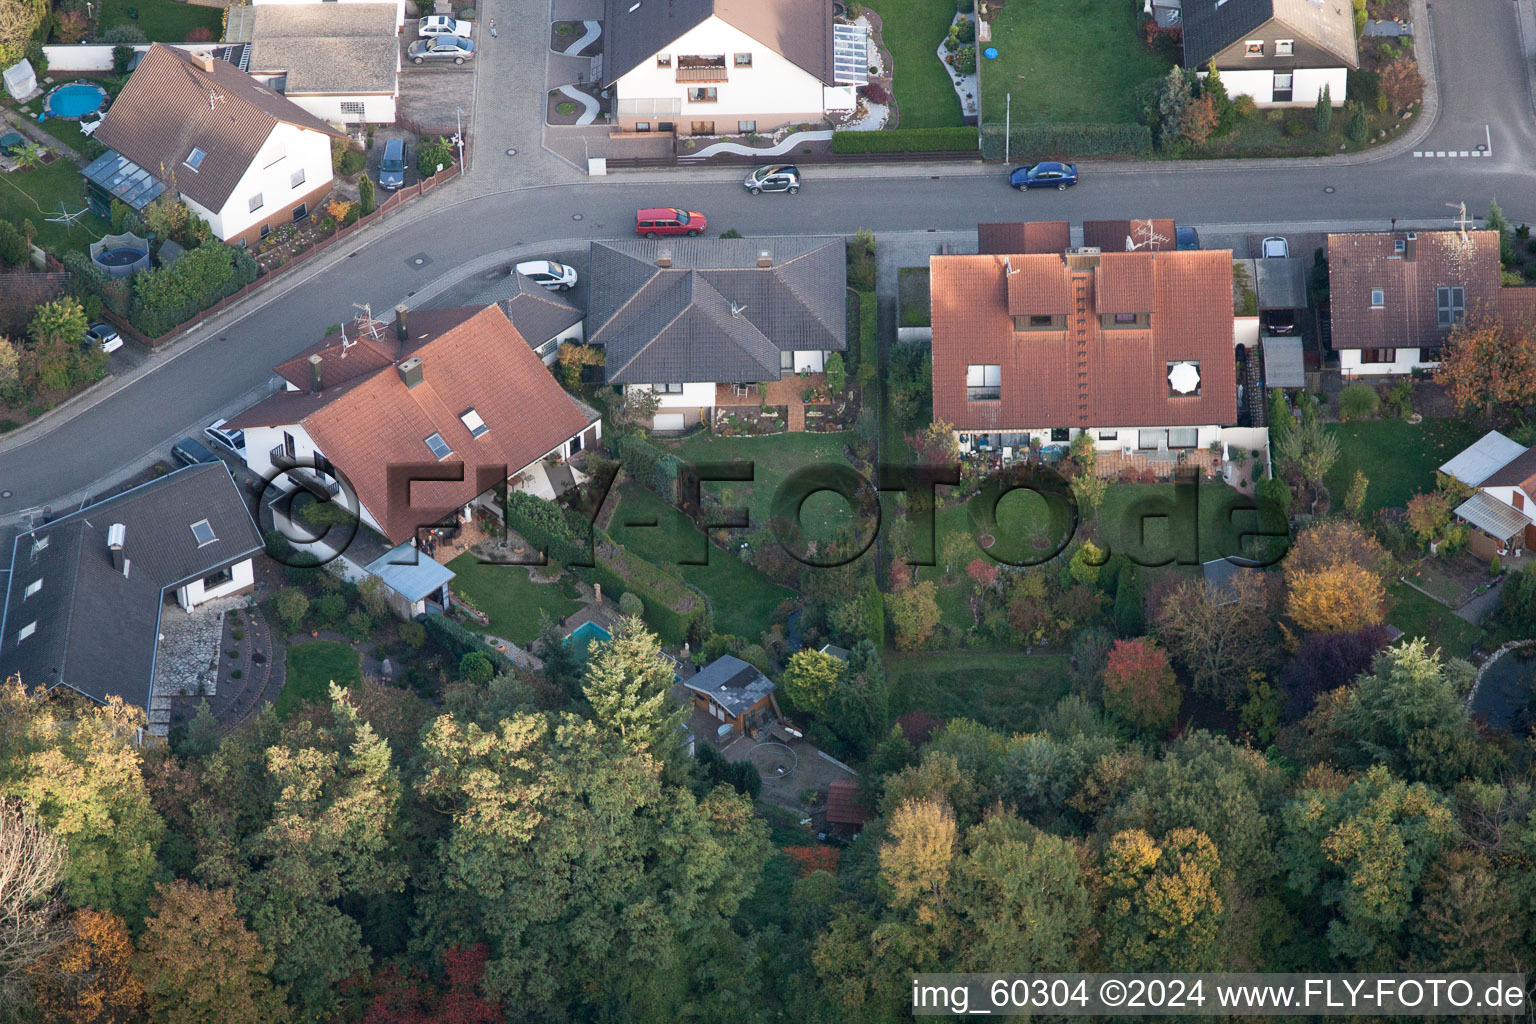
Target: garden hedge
{"x": 1066, "y": 141}
{"x": 675, "y": 610}
{"x": 869, "y": 342}
{"x": 559, "y": 532}
{"x": 658, "y": 470}
{"x": 906, "y": 140}
{"x": 167, "y": 297}
{"x": 456, "y": 641}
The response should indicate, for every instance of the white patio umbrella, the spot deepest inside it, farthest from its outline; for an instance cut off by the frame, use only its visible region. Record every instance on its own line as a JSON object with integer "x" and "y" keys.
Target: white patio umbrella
{"x": 1184, "y": 377}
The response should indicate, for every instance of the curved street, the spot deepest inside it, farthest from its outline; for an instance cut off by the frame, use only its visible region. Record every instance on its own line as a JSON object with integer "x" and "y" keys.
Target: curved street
{"x": 473, "y": 227}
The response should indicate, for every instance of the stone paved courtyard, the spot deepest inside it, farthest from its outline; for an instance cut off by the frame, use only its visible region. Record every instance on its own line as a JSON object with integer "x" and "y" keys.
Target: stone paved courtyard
{"x": 187, "y": 658}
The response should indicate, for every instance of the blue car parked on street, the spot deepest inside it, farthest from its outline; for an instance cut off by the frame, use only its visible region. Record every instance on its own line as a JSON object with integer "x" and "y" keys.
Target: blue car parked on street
{"x": 1045, "y": 174}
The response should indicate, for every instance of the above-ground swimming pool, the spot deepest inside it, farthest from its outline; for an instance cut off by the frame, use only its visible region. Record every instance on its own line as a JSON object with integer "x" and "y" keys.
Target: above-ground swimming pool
{"x": 588, "y": 632}
{"x": 75, "y": 100}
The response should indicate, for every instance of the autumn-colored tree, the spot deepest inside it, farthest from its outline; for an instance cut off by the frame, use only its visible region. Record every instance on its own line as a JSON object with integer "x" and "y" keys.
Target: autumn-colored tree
{"x": 810, "y": 677}
{"x": 10, "y": 365}
{"x": 1088, "y": 489}
{"x": 1429, "y": 515}
{"x": 1162, "y": 902}
{"x": 31, "y": 868}
{"x": 1401, "y": 83}
{"x": 1139, "y": 687}
{"x": 936, "y": 444}
{"x": 1487, "y": 363}
{"x": 198, "y": 962}
{"x": 1335, "y": 578}
{"x": 984, "y": 572}
{"x": 1083, "y": 455}
{"x": 88, "y": 978}
{"x": 409, "y": 997}
{"x": 1219, "y": 633}
{"x": 1199, "y": 119}
{"x": 813, "y": 858}
{"x": 919, "y": 852}
{"x": 914, "y": 614}
{"x": 1354, "y": 501}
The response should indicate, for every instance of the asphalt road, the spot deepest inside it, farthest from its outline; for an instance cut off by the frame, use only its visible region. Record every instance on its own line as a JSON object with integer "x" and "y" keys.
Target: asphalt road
{"x": 414, "y": 262}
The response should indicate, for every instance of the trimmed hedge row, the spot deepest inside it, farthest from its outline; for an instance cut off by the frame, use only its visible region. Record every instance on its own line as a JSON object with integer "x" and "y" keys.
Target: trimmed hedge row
{"x": 869, "y": 342}
{"x": 167, "y": 297}
{"x": 559, "y": 532}
{"x": 652, "y": 467}
{"x": 906, "y": 140}
{"x": 457, "y": 641}
{"x": 1066, "y": 141}
{"x": 676, "y": 611}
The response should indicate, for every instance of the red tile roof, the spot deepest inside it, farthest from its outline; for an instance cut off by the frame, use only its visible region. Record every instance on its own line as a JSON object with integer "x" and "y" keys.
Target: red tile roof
{"x": 843, "y": 806}
{"x": 369, "y": 420}
{"x": 1036, "y": 236}
{"x": 1408, "y": 316}
{"x": 1153, "y": 235}
{"x": 1084, "y": 376}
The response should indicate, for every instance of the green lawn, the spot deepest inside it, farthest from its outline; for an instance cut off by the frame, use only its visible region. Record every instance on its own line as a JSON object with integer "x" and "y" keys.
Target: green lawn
{"x": 743, "y": 598}
{"x": 161, "y": 21}
{"x": 773, "y": 458}
{"x": 510, "y": 598}
{"x": 36, "y": 194}
{"x": 1065, "y": 62}
{"x": 1003, "y": 689}
{"x": 916, "y": 303}
{"x": 1397, "y": 457}
{"x": 1417, "y": 615}
{"x": 312, "y": 667}
{"x": 913, "y": 30}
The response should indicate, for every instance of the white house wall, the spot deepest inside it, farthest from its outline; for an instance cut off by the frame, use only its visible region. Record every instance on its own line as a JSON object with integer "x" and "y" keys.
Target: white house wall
{"x": 1306, "y": 85}
{"x": 1406, "y": 362}
{"x": 259, "y": 442}
{"x": 771, "y": 92}
{"x": 810, "y": 362}
{"x": 287, "y": 150}
{"x": 377, "y": 108}
{"x": 697, "y": 395}
{"x": 399, "y": 6}
{"x": 242, "y": 575}
{"x": 1245, "y": 331}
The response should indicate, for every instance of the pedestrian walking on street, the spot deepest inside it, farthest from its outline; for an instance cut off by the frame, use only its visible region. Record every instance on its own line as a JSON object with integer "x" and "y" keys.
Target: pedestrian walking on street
{"x": 493, "y": 28}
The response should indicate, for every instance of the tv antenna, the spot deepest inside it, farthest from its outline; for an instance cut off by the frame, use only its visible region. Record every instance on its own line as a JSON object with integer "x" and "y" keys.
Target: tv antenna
{"x": 1142, "y": 235}
{"x": 365, "y": 321}
{"x": 345, "y": 344}
{"x": 214, "y": 98}
{"x": 1462, "y": 220}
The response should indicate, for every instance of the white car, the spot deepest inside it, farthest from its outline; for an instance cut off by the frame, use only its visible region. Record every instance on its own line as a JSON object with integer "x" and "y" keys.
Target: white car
{"x": 103, "y": 337}
{"x": 1276, "y": 247}
{"x": 233, "y": 439}
{"x": 442, "y": 25}
{"x": 554, "y": 276}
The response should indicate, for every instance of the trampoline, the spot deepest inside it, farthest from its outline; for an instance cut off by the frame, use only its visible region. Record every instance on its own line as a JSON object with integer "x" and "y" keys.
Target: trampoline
{"x": 121, "y": 255}
{"x": 75, "y": 100}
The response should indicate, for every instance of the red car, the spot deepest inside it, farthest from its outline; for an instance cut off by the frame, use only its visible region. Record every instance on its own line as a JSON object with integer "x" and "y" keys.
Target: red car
{"x": 667, "y": 221}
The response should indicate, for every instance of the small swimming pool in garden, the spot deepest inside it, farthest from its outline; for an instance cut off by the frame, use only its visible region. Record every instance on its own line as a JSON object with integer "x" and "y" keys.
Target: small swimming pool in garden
{"x": 75, "y": 100}
{"x": 588, "y": 633}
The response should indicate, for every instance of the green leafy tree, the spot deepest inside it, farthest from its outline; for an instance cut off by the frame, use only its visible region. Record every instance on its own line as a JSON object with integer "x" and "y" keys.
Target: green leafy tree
{"x": 198, "y": 962}
{"x": 1162, "y": 903}
{"x": 1086, "y": 563}
{"x": 810, "y": 679}
{"x": 561, "y": 664}
{"x": 1359, "y": 122}
{"x": 291, "y": 606}
{"x": 914, "y": 614}
{"x": 1363, "y": 851}
{"x": 629, "y": 684}
{"x": 837, "y": 375}
{"x": 13, "y": 247}
{"x": 19, "y": 20}
{"x": 1309, "y": 449}
{"x": 366, "y": 194}
{"x": 1463, "y": 918}
{"x": 1322, "y": 118}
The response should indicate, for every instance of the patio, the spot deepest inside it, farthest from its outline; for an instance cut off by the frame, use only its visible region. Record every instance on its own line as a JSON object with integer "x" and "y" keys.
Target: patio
{"x": 1111, "y": 465}
{"x": 788, "y": 392}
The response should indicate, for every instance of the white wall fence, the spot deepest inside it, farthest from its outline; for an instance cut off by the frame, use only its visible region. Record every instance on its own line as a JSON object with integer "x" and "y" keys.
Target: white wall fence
{"x": 98, "y": 56}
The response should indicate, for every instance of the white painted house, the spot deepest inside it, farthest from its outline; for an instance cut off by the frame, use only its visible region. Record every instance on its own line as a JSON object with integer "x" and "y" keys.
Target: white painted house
{"x": 340, "y": 62}
{"x": 242, "y": 157}
{"x": 722, "y": 67}
{"x": 1280, "y": 52}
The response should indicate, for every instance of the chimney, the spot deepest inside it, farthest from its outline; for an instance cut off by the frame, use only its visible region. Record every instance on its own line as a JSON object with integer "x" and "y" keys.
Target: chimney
{"x": 410, "y": 371}
{"x": 117, "y": 535}
{"x": 1083, "y": 259}
{"x": 664, "y": 258}
{"x": 764, "y": 258}
{"x": 204, "y": 60}
{"x": 314, "y": 373}
{"x": 402, "y": 331}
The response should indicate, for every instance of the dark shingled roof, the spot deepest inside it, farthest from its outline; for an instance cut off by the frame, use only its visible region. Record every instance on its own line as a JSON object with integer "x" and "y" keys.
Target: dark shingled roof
{"x": 1113, "y": 235}
{"x": 843, "y": 805}
{"x": 1036, "y": 236}
{"x": 1210, "y": 26}
{"x": 714, "y": 314}
{"x": 538, "y": 313}
{"x": 165, "y": 110}
{"x": 731, "y": 683}
{"x": 798, "y": 30}
{"x": 97, "y": 629}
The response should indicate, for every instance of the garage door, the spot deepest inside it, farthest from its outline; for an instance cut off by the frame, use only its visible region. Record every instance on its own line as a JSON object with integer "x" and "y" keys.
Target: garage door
{"x": 668, "y": 421}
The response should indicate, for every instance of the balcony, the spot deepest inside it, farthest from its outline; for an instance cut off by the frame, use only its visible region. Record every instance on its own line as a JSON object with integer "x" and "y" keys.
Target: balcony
{"x": 701, "y": 69}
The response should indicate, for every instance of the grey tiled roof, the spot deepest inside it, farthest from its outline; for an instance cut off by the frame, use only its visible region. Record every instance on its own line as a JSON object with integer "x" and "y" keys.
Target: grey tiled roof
{"x": 798, "y": 30}
{"x": 538, "y": 313}
{"x": 714, "y": 314}
{"x": 731, "y": 683}
{"x": 97, "y": 629}
{"x": 333, "y": 48}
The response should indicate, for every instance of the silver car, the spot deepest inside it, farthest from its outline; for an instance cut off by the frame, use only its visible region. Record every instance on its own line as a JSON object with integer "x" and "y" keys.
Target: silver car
{"x": 441, "y": 48}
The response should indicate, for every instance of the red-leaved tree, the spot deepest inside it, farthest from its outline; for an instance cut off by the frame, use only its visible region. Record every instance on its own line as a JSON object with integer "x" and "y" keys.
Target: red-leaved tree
{"x": 1486, "y": 364}
{"x": 1139, "y": 686}
{"x": 408, "y": 997}
{"x": 983, "y": 572}
{"x": 813, "y": 858}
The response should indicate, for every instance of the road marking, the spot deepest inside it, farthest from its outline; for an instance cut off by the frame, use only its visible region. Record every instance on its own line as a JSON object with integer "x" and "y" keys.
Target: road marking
{"x": 1465, "y": 153}
{"x": 1418, "y": 152}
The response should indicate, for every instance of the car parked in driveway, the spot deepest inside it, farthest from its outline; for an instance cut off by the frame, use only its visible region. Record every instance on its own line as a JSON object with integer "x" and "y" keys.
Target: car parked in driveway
{"x": 665, "y": 220}
{"x": 441, "y": 48}
{"x": 189, "y": 451}
{"x": 233, "y": 439}
{"x": 1045, "y": 174}
{"x": 1276, "y": 247}
{"x": 102, "y": 336}
{"x": 1186, "y": 238}
{"x": 442, "y": 25}
{"x": 392, "y": 165}
{"x": 773, "y": 178}
{"x": 554, "y": 276}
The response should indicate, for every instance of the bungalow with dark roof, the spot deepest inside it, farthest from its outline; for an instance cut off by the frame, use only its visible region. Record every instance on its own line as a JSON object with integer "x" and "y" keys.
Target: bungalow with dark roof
{"x": 423, "y": 419}
{"x": 1283, "y": 53}
{"x": 86, "y": 592}
{"x": 707, "y": 67}
{"x": 733, "y": 693}
{"x": 242, "y": 157}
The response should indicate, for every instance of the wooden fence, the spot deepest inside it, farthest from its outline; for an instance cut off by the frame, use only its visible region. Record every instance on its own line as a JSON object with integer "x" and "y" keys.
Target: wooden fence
{"x": 380, "y": 212}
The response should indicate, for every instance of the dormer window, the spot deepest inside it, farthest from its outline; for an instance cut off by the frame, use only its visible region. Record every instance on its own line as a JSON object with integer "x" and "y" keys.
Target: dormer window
{"x": 195, "y": 158}
{"x": 1040, "y": 322}
{"x": 1399, "y": 247}
{"x": 1378, "y": 298}
{"x": 474, "y": 423}
{"x": 1253, "y": 48}
{"x": 1125, "y": 321}
{"x": 1285, "y": 47}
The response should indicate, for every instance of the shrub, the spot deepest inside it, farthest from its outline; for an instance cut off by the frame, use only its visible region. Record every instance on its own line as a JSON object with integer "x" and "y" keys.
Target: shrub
{"x": 869, "y": 342}
{"x": 1294, "y": 128}
{"x": 730, "y": 233}
{"x": 965, "y": 31}
{"x": 1359, "y": 402}
{"x": 1048, "y": 141}
{"x": 430, "y": 154}
{"x": 906, "y": 140}
{"x": 658, "y": 470}
{"x": 1359, "y": 124}
{"x": 330, "y": 609}
{"x": 13, "y": 247}
{"x": 475, "y": 667}
{"x": 122, "y": 56}
{"x": 560, "y": 533}
{"x": 365, "y": 194}
{"x": 291, "y": 606}
{"x": 456, "y": 641}
{"x": 875, "y": 92}
{"x": 964, "y": 60}
{"x": 1244, "y": 105}
{"x": 631, "y": 605}
{"x": 413, "y": 635}
{"x": 837, "y": 374}
{"x": 124, "y": 33}
{"x": 168, "y": 296}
